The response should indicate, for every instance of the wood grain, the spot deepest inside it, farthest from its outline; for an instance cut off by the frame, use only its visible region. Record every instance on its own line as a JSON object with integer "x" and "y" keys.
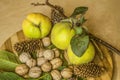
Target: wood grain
{"x": 106, "y": 61}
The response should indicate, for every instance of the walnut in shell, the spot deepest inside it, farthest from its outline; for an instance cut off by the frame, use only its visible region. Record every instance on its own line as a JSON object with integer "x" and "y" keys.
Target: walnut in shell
{"x": 46, "y": 41}
{"x": 56, "y": 52}
{"x": 31, "y": 63}
{"x": 66, "y": 73}
{"x": 21, "y": 69}
{"x": 40, "y": 53}
{"x": 41, "y": 61}
{"x": 34, "y": 72}
{"x": 56, "y": 62}
{"x": 48, "y": 54}
{"x": 56, "y": 75}
{"x": 46, "y": 67}
{"x": 24, "y": 57}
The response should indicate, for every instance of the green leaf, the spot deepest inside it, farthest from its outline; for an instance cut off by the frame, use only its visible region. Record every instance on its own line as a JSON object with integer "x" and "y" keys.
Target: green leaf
{"x": 79, "y": 44}
{"x": 82, "y": 20}
{"x": 61, "y": 68}
{"x": 8, "y": 61}
{"x": 79, "y": 10}
{"x": 10, "y": 76}
{"x": 78, "y": 30}
{"x": 46, "y": 76}
{"x": 34, "y": 55}
{"x": 51, "y": 46}
{"x": 65, "y": 63}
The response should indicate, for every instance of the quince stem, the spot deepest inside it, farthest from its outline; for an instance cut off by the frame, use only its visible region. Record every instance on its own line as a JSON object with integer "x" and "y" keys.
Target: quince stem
{"x": 104, "y": 43}
{"x": 97, "y": 47}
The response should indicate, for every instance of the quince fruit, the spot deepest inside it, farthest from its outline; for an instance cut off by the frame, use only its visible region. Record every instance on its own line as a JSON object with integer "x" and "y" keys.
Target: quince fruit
{"x": 36, "y": 25}
{"x": 61, "y": 35}
{"x": 87, "y": 56}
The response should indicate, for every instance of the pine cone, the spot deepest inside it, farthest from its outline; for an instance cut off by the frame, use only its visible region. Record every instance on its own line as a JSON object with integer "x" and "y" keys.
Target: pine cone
{"x": 59, "y": 8}
{"x": 56, "y": 15}
{"x": 88, "y": 70}
{"x": 29, "y": 46}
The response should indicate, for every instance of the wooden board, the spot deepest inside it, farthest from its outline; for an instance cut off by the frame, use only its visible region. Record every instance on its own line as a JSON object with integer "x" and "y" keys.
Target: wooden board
{"x": 105, "y": 60}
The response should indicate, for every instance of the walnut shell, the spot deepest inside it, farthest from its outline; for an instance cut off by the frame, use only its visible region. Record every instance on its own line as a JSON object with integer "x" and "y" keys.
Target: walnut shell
{"x": 56, "y": 52}
{"x": 21, "y": 69}
{"x": 46, "y": 67}
{"x": 66, "y": 73}
{"x": 48, "y": 54}
{"x": 41, "y": 61}
{"x": 57, "y": 62}
{"x": 40, "y": 53}
{"x": 24, "y": 57}
{"x": 34, "y": 72}
{"x": 56, "y": 75}
{"x": 46, "y": 41}
{"x": 31, "y": 63}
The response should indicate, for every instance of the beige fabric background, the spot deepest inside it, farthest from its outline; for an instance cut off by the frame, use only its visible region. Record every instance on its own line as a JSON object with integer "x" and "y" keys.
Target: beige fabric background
{"x": 103, "y": 19}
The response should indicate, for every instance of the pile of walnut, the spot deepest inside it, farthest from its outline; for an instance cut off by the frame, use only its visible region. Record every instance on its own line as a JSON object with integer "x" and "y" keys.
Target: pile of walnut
{"x": 48, "y": 60}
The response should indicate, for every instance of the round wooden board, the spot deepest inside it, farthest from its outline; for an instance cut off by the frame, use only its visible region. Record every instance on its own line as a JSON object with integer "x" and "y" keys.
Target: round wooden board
{"x": 105, "y": 61}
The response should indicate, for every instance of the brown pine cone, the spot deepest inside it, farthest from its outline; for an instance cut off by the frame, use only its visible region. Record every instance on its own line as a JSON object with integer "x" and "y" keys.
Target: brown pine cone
{"x": 29, "y": 46}
{"x": 56, "y": 15}
{"x": 88, "y": 70}
{"x": 59, "y": 8}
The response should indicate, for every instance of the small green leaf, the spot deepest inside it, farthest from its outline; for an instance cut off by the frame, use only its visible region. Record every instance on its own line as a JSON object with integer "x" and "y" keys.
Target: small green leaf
{"x": 79, "y": 10}
{"x": 61, "y": 68}
{"x": 51, "y": 46}
{"x": 78, "y": 30}
{"x": 10, "y": 76}
{"x": 46, "y": 76}
{"x": 79, "y": 44}
{"x": 8, "y": 61}
{"x": 65, "y": 63}
{"x": 82, "y": 20}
